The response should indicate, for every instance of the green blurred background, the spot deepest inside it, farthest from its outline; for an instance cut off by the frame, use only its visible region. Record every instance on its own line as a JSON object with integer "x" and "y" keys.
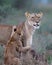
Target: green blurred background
{"x": 12, "y": 12}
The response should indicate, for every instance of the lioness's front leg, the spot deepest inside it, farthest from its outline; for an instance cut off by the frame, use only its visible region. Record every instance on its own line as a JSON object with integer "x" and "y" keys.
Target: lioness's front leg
{"x": 24, "y": 49}
{"x": 21, "y": 48}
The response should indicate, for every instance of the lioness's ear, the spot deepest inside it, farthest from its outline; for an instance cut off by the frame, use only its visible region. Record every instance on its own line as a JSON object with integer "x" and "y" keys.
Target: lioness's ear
{"x": 27, "y": 14}
{"x": 40, "y": 14}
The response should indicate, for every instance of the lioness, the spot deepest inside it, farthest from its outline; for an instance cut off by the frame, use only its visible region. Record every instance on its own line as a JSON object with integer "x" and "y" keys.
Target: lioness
{"x": 25, "y": 29}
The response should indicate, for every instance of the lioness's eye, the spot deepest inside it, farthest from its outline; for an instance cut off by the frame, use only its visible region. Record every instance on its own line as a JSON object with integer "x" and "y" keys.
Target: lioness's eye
{"x": 38, "y": 17}
{"x": 32, "y": 17}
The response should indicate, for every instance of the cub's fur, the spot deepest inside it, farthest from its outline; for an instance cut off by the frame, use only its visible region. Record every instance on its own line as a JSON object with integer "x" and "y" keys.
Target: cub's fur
{"x": 11, "y": 53}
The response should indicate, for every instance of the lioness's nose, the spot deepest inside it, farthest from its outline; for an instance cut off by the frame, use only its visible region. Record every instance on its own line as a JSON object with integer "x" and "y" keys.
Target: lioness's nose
{"x": 37, "y": 21}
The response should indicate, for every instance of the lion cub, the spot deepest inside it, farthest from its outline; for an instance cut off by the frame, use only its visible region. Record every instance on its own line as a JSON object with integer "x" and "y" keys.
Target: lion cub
{"x": 12, "y": 53}
{"x": 13, "y": 49}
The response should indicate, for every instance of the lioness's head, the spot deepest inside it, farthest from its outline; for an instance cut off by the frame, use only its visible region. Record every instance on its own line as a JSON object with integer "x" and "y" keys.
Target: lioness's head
{"x": 34, "y": 19}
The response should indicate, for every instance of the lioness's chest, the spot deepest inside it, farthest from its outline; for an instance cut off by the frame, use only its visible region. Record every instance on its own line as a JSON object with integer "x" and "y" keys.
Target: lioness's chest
{"x": 29, "y": 41}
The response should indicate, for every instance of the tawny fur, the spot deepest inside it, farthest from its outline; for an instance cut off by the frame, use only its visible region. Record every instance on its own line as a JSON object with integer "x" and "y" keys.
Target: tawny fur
{"x": 11, "y": 53}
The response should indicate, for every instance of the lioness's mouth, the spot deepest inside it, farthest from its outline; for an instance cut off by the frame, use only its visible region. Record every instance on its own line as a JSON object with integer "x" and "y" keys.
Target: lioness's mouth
{"x": 36, "y": 25}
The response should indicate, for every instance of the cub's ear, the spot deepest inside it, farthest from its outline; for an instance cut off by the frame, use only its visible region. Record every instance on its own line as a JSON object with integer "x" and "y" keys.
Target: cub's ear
{"x": 15, "y": 29}
{"x": 27, "y": 14}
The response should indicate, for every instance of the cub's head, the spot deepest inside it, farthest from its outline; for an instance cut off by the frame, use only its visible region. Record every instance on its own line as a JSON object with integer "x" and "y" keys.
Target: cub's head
{"x": 34, "y": 19}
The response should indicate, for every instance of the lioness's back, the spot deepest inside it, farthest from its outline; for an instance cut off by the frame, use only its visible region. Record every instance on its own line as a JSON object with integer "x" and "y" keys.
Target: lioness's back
{"x": 5, "y": 31}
